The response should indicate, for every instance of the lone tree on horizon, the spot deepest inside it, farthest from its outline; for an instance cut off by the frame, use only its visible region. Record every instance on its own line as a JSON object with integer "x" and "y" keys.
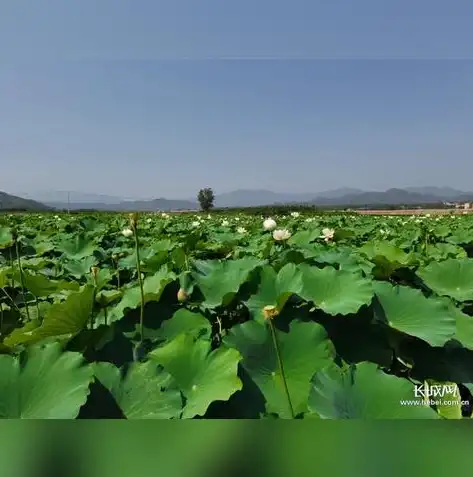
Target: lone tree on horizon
{"x": 206, "y": 199}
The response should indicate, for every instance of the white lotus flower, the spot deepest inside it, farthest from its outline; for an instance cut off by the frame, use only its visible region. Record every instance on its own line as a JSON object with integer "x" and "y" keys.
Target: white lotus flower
{"x": 427, "y": 215}
{"x": 295, "y": 214}
{"x": 241, "y": 230}
{"x": 225, "y": 223}
{"x": 148, "y": 220}
{"x": 310, "y": 219}
{"x": 127, "y": 232}
{"x": 327, "y": 234}
{"x": 269, "y": 224}
{"x": 164, "y": 215}
{"x": 281, "y": 234}
{"x": 196, "y": 223}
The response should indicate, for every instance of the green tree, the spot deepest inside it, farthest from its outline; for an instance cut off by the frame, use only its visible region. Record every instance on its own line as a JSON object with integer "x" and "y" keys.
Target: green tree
{"x": 206, "y": 199}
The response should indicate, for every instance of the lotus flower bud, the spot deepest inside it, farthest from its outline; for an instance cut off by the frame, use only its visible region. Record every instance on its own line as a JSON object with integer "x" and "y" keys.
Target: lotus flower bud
{"x": 182, "y": 295}
{"x": 270, "y": 312}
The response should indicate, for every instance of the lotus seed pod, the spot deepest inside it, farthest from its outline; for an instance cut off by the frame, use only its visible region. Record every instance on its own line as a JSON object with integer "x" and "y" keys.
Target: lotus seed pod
{"x": 182, "y": 295}
{"x": 133, "y": 219}
{"x": 270, "y": 312}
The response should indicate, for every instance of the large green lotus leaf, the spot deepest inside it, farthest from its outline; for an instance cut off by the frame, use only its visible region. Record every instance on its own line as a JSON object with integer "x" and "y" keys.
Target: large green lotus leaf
{"x": 38, "y": 310}
{"x": 346, "y": 260}
{"x": 41, "y": 286}
{"x": 144, "y": 392}
{"x": 409, "y": 311}
{"x": 304, "y": 350}
{"x": 51, "y": 385}
{"x": 151, "y": 258}
{"x": 153, "y": 288}
{"x": 461, "y": 237}
{"x": 6, "y": 237}
{"x": 204, "y": 376}
{"x": 220, "y": 281}
{"x": 335, "y": 291}
{"x": 18, "y": 334}
{"x": 464, "y": 328}
{"x": 333, "y": 256}
{"x": 105, "y": 297}
{"x": 129, "y": 261}
{"x": 78, "y": 247}
{"x": 185, "y": 321}
{"x": 35, "y": 263}
{"x": 453, "y": 277}
{"x": 62, "y": 320}
{"x": 364, "y": 392}
{"x": 158, "y": 255}
{"x": 79, "y": 268}
{"x": 304, "y": 237}
{"x": 442, "y": 251}
{"x": 394, "y": 255}
{"x": 386, "y": 256}
{"x": 42, "y": 244}
{"x": 275, "y": 289}
{"x": 102, "y": 278}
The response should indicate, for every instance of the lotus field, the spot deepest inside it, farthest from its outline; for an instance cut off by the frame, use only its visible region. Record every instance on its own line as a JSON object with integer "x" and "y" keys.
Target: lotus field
{"x": 179, "y": 316}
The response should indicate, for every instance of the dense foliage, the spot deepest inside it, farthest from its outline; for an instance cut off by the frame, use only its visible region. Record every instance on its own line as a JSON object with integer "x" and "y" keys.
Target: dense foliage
{"x": 190, "y": 316}
{"x": 206, "y": 199}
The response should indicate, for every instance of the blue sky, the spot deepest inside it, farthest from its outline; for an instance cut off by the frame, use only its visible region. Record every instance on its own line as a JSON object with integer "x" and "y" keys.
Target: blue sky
{"x": 153, "y": 98}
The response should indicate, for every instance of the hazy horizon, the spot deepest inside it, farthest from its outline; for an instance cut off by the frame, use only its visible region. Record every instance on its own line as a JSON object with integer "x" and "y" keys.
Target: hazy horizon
{"x": 143, "y": 105}
{"x": 84, "y": 196}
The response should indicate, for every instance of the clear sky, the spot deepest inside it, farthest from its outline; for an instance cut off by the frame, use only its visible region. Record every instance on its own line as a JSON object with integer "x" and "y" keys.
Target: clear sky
{"x": 154, "y": 98}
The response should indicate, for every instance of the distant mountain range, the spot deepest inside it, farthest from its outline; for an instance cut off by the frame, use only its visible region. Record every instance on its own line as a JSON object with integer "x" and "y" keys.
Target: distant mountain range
{"x": 345, "y": 197}
{"x": 13, "y": 202}
{"x": 246, "y": 198}
{"x": 253, "y": 198}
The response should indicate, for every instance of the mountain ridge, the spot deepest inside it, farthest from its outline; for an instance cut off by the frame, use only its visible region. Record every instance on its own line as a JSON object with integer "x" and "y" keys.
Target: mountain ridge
{"x": 242, "y": 198}
{"x": 10, "y": 202}
{"x": 260, "y": 197}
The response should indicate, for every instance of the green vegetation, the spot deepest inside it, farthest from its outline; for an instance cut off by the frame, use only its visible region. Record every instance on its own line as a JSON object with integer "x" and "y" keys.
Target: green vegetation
{"x": 234, "y": 315}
